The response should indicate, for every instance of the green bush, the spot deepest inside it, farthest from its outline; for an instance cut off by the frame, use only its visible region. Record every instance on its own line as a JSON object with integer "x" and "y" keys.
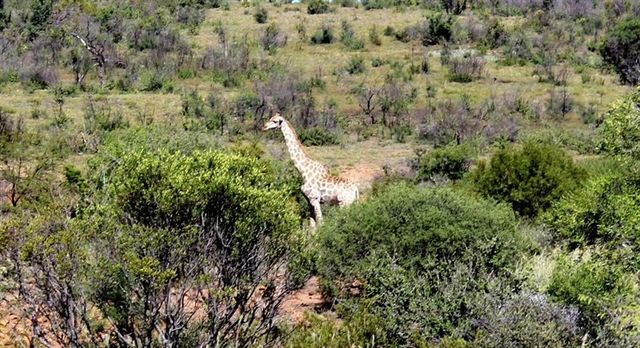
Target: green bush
{"x": 261, "y": 15}
{"x": 620, "y": 130}
{"x": 317, "y": 136}
{"x": 349, "y": 39}
{"x": 374, "y": 36}
{"x": 317, "y": 7}
{"x": 606, "y": 296}
{"x": 530, "y": 177}
{"x": 355, "y": 65}
{"x": 155, "y": 81}
{"x": 451, "y": 161}
{"x": 422, "y": 229}
{"x": 580, "y": 140}
{"x": 421, "y": 264}
{"x": 438, "y": 28}
{"x": 465, "y": 69}
{"x": 621, "y": 47}
{"x": 603, "y": 213}
{"x": 529, "y": 320}
{"x": 324, "y": 35}
{"x": 207, "y": 222}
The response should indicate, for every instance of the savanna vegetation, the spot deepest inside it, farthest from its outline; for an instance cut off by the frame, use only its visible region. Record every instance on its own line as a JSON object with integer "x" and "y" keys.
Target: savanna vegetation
{"x": 495, "y": 144}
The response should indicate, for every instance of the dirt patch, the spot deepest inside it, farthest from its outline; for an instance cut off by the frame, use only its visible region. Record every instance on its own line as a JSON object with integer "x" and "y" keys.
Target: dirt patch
{"x": 363, "y": 175}
{"x": 309, "y": 298}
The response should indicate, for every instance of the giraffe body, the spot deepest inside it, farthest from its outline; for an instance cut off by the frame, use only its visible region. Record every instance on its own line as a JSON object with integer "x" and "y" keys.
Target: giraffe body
{"x": 319, "y": 185}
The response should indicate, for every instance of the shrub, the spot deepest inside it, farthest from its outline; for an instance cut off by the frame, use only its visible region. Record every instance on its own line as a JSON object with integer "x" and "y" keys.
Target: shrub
{"x": 317, "y": 136}
{"x": 451, "y": 162}
{"x": 261, "y": 15}
{"x": 621, "y": 47}
{"x": 324, "y": 35}
{"x": 603, "y": 214}
{"x": 465, "y": 69}
{"x": 348, "y": 37}
{"x": 374, "y": 36}
{"x": 155, "y": 80}
{"x": 530, "y": 178}
{"x": 377, "y": 62}
{"x": 100, "y": 116}
{"x": 422, "y": 229}
{"x": 455, "y": 7}
{"x": 496, "y": 35}
{"x": 559, "y": 104}
{"x": 355, "y": 65}
{"x": 436, "y": 29}
{"x": 419, "y": 263}
{"x": 193, "y": 105}
{"x": 530, "y": 320}
{"x": 517, "y": 49}
{"x": 210, "y": 226}
{"x": 620, "y": 130}
{"x": 317, "y": 7}
{"x": 273, "y": 38}
{"x": 604, "y": 293}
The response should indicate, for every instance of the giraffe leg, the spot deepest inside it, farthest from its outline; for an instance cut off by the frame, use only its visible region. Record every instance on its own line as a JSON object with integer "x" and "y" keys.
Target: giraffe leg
{"x": 317, "y": 212}
{"x": 314, "y": 200}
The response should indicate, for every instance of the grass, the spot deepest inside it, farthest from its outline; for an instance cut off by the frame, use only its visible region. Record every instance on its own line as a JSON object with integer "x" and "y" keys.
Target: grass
{"x": 309, "y": 59}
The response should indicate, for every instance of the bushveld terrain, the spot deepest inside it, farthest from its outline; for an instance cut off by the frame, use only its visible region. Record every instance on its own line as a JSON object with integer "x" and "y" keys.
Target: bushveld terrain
{"x": 495, "y": 144}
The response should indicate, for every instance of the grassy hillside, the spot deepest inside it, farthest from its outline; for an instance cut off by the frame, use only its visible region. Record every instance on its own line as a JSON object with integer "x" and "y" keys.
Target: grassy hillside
{"x": 494, "y": 144}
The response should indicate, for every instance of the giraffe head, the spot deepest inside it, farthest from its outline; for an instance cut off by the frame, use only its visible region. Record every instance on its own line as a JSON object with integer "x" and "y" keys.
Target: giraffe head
{"x": 274, "y": 122}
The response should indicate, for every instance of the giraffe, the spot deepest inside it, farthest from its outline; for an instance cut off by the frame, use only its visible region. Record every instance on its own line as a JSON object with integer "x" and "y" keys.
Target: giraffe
{"x": 319, "y": 186}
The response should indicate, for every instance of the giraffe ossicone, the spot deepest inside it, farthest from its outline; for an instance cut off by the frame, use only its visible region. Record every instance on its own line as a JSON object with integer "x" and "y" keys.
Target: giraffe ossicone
{"x": 319, "y": 185}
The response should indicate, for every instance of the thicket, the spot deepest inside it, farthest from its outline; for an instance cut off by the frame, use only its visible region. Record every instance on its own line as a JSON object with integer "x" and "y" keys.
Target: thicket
{"x": 449, "y": 162}
{"x": 620, "y": 49}
{"x": 157, "y": 236}
{"x": 620, "y": 129}
{"x": 530, "y": 178}
{"x": 418, "y": 266}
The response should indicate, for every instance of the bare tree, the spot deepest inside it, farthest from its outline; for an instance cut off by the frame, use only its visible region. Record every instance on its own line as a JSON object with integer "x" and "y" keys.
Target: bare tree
{"x": 96, "y": 42}
{"x": 368, "y": 102}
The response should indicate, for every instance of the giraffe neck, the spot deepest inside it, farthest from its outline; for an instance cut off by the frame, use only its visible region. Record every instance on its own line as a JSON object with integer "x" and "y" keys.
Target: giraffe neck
{"x": 299, "y": 158}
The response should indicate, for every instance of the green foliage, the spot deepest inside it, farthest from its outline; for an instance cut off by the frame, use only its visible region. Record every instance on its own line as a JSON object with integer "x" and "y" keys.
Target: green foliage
{"x": 261, "y": 15}
{"x": 620, "y": 130}
{"x": 317, "y": 136}
{"x": 437, "y": 29}
{"x": 455, "y": 7}
{"x": 465, "y": 69}
{"x": 603, "y": 213}
{"x": 100, "y": 116}
{"x": 355, "y": 65}
{"x": 605, "y": 294}
{"x": 374, "y": 36}
{"x": 168, "y": 220}
{"x": 318, "y": 332}
{"x": 530, "y": 178}
{"x": 451, "y": 161}
{"x": 349, "y": 39}
{"x": 155, "y": 80}
{"x": 317, "y": 7}
{"x": 620, "y": 49}
{"x": 324, "y": 35}
{"x": 41, "y": 11}
{"x": 73, "y": 175}
{"x": 496, "y": 34}
{"x": 423, "y": 229}
{"x": 529, "y": 320}
{"x": 581, "y": 141}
